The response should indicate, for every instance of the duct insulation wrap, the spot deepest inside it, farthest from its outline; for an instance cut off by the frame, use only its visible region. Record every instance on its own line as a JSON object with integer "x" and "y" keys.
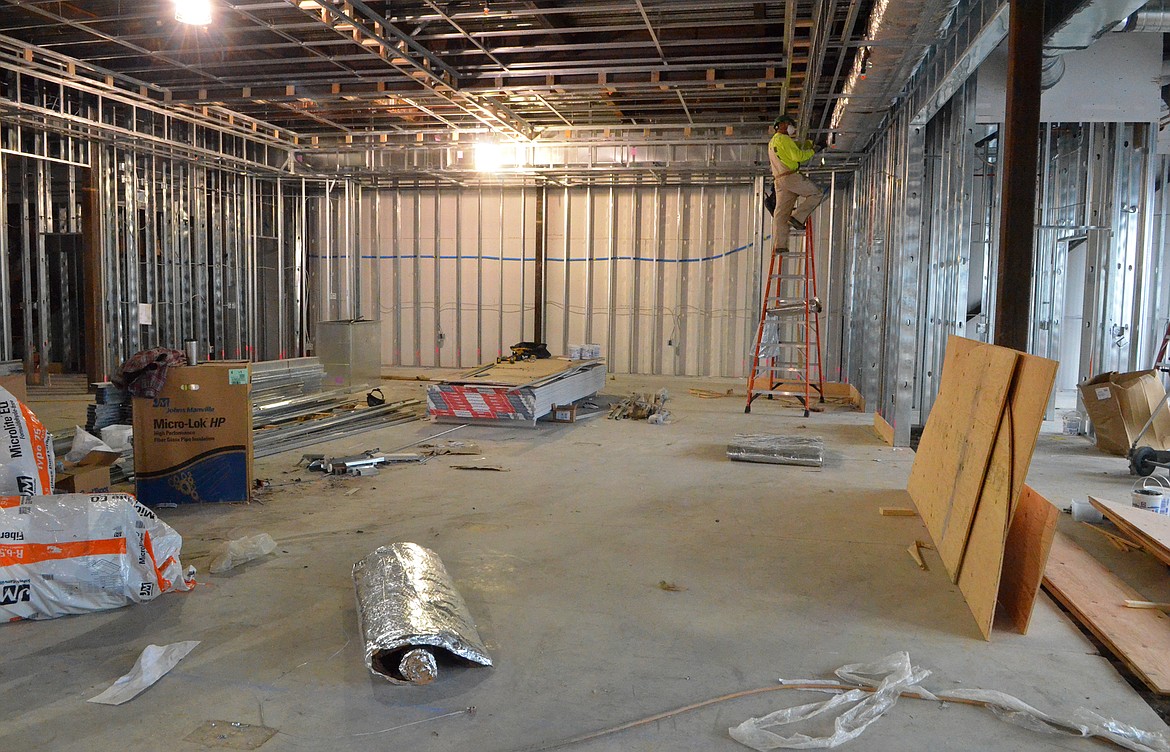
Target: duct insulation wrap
{"x": 408, "y": 607}
{"x": 777, "y": 450}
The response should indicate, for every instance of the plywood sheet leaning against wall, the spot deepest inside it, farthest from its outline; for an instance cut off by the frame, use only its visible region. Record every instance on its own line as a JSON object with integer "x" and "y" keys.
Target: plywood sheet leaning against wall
{"x": 982, "y": 562}
{"x": 1094, "y": 595}
{"x": 953, "y": 453}
{"x": 970, "y": 467}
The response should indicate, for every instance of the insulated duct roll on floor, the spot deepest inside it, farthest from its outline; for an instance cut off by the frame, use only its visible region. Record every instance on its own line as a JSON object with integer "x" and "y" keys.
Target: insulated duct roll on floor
{"x": 409, "y": 609}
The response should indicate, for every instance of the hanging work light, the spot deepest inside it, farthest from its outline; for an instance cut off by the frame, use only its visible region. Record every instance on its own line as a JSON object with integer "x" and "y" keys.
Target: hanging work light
{"x": 193, "y": 12}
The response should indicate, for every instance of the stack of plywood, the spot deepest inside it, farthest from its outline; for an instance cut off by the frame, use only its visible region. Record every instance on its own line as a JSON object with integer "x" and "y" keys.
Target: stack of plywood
{"x": 968, "y": 477}
{"x": 514, "y": 393}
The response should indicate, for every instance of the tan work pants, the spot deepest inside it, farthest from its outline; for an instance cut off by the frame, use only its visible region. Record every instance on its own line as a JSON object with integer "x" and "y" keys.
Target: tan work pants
{"x": 789, "y": 188}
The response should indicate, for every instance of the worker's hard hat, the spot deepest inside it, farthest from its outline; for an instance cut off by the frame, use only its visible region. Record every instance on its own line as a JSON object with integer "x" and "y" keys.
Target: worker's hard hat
{"x": 782, "y": 120}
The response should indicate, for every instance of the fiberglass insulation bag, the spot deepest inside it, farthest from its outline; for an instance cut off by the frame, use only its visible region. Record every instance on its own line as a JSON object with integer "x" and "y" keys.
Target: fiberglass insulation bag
{"x": 27, "y": 463}
{"x": 75, "y": 553}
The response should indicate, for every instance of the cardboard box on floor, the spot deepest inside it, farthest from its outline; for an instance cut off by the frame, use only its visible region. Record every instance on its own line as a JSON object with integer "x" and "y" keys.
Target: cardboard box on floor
{"x": 15, "y": 383}
{"x": 193, "y": 443}
{"x": 90, "y": 475}
{"x": 1119, "y": 404}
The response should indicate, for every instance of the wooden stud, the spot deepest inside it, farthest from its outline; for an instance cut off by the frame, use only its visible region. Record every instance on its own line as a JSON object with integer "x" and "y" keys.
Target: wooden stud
{"x": 1147, "y": 604}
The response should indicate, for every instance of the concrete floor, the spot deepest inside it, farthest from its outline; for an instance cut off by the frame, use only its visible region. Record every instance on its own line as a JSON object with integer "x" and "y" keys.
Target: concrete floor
{"x": 784, "y": 572}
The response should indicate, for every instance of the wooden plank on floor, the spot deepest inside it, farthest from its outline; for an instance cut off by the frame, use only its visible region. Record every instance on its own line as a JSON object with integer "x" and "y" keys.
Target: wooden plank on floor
{"x": 884, "y": 430}
{"x": 979, "y": 578}
{"x": 1139, "y": 637}
{"x": 957, "y": 441}
{"x": 1029, "y": 541}
{"x": 1150, "y": 529}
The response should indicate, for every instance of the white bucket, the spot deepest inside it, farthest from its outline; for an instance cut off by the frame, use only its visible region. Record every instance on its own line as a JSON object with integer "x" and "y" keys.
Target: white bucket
{"x": 574, "y": 352}
{"x": 1071, "y": 423}
{"x": 1155, "y": 498}
{"x": 1084, "y": 511}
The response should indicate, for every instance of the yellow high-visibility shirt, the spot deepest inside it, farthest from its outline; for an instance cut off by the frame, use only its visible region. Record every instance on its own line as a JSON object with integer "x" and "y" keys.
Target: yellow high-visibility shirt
{"x": 790, "y": 153}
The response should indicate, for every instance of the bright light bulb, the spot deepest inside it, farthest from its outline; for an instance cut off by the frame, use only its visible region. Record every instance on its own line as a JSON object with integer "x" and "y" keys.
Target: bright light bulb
{"x": 194, "y": 12}
{"x": 492, "y": 157}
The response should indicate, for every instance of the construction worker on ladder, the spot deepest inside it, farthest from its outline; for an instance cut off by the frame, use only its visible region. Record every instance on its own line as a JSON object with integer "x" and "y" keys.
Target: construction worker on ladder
{"x": 786, "y": 155}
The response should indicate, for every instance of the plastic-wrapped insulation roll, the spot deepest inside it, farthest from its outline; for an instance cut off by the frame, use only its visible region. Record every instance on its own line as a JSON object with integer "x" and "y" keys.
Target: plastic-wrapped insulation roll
{"x": 408, "y": 610}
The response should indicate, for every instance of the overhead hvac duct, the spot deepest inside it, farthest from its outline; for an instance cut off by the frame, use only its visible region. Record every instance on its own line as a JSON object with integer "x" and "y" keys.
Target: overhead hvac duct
{"x": 901, "y": 31}
{"x": 1153, "y": 17}
{"x": 1085, "y": 25}
{"x": 898, "y": 35}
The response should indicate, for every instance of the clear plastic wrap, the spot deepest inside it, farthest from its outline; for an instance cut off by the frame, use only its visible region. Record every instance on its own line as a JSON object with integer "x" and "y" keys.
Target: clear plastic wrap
{"x": 852, "y": 711}
{"x": 76, "y": 553}
{"x": 241, "y": 551}
{"x": 406, "y": 601}
{"x": 808, "y": 451}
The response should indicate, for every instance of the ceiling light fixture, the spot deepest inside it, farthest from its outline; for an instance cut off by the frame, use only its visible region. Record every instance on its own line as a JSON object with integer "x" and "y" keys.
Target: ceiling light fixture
{"x": 193, "y": 12}
{"x": 491, "y": 156}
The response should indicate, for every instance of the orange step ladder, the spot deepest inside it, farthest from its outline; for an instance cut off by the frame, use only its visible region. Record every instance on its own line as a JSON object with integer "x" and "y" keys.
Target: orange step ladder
{"x": 787, "y": 357}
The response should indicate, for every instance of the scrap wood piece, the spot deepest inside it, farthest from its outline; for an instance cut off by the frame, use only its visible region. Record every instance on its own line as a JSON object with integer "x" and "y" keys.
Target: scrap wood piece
{"x": 883, "y": 429}
{"x": 1139, "y": 637}
{"x": 640, "y": 406}
{"x": 1147, "y": 604}
{"x": 957, "y": 441}
{"x": 670, "y": 587}
{"x": 1125, "y": 545}
{"x": 1026, "y": 552}
{"x": 915, "y": 551}
{"x": 496, "y": 468}
{"x": 897, "y": 512}
{"x": 709, "y": 394}
{"x": 1150, "y": 529}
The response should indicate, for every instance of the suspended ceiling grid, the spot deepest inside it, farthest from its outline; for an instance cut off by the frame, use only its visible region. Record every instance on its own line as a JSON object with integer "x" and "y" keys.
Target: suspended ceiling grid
{"x": 411, "y": 71}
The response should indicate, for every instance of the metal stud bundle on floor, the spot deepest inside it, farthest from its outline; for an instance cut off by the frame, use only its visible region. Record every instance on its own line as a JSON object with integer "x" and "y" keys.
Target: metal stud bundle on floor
{"x": 787, "y": 357}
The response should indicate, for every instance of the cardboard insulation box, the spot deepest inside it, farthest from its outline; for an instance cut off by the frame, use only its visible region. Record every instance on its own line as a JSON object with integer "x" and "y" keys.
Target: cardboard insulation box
{"x": 193, "y": 442}
{"x": 1120, "y": 404}
{"x": 90, "y": 475}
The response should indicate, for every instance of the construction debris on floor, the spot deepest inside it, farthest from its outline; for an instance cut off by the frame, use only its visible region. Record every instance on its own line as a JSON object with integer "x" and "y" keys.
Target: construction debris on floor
{"x": 968, "y": 474}
{"x": 807, "y": 451}
{"x": 514, "y": 393}
{"x": 76, "y": 553}
{"x": 290, "y": 410}
{"x": 234, "y": 553}
{"x": 152, "y": 665}
{"x": 648, "y": 407}
{"x": 409, "y": 610}
{"x": 866, "y": 692}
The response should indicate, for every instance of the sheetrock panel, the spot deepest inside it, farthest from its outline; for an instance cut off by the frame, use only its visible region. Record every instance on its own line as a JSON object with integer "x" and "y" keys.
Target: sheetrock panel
{"x": 1116, "y": 80}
